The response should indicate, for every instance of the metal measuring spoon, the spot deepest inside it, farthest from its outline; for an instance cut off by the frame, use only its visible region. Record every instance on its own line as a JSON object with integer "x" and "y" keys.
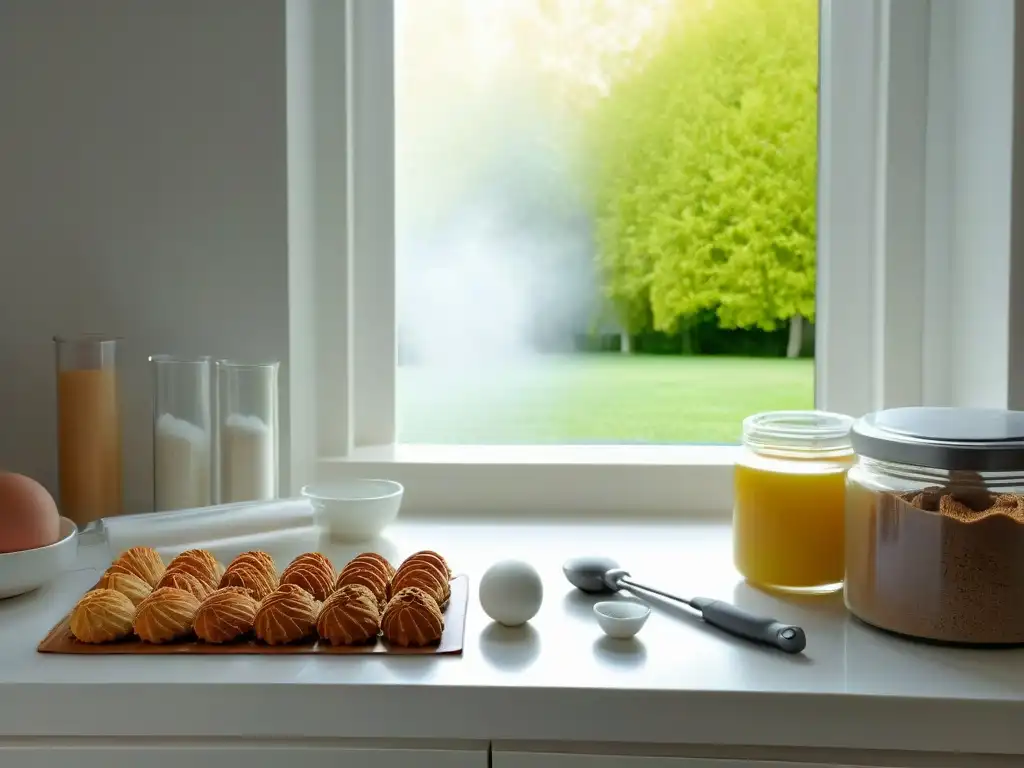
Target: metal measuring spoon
{"x": 602, "y": 575}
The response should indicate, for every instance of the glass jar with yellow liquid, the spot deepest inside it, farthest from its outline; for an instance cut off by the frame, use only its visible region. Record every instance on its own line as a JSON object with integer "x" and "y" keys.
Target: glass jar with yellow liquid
{"x": 788, "y": 512}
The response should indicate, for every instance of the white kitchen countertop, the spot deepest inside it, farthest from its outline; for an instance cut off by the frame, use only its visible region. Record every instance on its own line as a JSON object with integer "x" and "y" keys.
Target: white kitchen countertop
{"x": 557, "y": 680}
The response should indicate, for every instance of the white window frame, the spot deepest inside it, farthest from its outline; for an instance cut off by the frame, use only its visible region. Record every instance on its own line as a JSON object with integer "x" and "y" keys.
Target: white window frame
{"x": 915, "y": 202}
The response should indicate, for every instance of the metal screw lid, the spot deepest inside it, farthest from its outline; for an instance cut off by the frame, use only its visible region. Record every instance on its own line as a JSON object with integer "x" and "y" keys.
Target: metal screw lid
{"x": 978, "y": 439}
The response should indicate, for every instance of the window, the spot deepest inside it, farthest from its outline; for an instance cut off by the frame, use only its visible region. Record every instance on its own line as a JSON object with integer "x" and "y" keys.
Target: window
{"x": 605, "y": 218}
{"x": 903, "y": 134}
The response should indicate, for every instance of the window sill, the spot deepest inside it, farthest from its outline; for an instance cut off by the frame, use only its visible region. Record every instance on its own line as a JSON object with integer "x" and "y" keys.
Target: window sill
{"x": 591, "y": 480}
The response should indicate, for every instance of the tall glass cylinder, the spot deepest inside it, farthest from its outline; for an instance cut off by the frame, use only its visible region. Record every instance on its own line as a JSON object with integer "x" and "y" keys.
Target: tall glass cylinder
{"x": 88, "y": 427}
{"x": 182, "y": 432}
{"x": 247, "y": 431}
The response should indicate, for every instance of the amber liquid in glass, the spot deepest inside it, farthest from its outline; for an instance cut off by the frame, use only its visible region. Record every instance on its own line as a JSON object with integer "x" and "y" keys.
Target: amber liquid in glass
{"x": 89, "y": 444}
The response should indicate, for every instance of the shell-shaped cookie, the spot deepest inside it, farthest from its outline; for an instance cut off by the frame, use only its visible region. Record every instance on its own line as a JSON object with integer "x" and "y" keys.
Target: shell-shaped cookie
{"x": 412, "y": 618}
{"x": 313, "y": 572}
{"x": 225, "y": 615}
{"x": 368, "y": 575}
{"x": 286, "y": 615}
{"x": 248, "y": 576}
{"x": 102, "y": 616}
{"x": 350, "y": 616}
{"x": 179, "y": 579}
{"x": 128, "y": 584}
{"x": 144, "y": 562}
{"x": 422, "y": 576}
{"x": 259, "y": 560}
{"x": 200, "y": 563}
{"x": 386, "y": 567}
{"x": 166, "y": 615}
{"x": 428, "y": 555}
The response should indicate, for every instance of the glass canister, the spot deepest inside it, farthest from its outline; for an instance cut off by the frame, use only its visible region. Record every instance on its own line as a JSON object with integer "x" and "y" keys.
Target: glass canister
{"x": 88, "y": 427}
{"x": 789, "y": 499}
{"x": 182, "y": 432}
{"x": 247, "y": 431}
{"x": 935, "y": 524}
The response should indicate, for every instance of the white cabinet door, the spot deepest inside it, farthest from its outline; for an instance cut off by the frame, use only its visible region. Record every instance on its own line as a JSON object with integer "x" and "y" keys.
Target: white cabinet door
{"x": 553, "y": 760}
{"x": 236, "y": 756}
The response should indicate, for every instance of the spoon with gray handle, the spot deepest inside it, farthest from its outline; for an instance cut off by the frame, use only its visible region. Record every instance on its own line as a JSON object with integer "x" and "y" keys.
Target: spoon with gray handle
{"x": 600, "y": 574}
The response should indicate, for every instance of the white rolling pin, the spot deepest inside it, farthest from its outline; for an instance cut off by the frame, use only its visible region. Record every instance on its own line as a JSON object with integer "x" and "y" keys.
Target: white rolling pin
{"x": 180, "y": 529}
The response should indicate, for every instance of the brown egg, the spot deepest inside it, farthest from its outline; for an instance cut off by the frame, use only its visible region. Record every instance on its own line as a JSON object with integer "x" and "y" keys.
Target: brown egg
{"x": 349, "y": 616}
{"x": 412, "y": 618}
{"x": 102, "y": 616}
{"x": 128, "y": 584}
{"x": 144, "y": 562}
{"x": 249, "y": 577}
{"x": 225, "y": 615}
{"x": 422, "y": 576}
{"x": 165, "y": 615}
{"x": 184, "y": 580}
{"x": 199, "y": 563}
{"x": 29, "y": 517}
{"x": 313, "y": 572}
{"x": 286, "y": 615}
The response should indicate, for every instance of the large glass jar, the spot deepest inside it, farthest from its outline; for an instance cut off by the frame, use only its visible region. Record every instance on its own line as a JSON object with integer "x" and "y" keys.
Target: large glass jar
{"x": 789, "y": 497}
{"x": 935, "y": 524}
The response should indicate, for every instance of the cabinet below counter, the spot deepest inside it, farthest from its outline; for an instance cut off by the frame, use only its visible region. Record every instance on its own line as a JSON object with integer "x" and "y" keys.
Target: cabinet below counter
{"x": 145, "y": 753}
{"x": 355, "y": 753}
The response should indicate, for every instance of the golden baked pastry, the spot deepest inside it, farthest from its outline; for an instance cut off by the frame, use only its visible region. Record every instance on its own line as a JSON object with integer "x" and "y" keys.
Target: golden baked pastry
{"x": 386, "y": 567}
{"x": 412, "y": 618}
{"x": 313, "y": 572}
{"x": 166, "y": 615}
{"x": 369, "y": 575}
{"x": 286, "y": 615}
{"x": 185, "y": 580}
{"x": 251, "y": 577}
{"x": 102, "y": 616}
{"x": 144, "y": 562}
{"x": 225, "y": 615}
{"x": 384, "y": 571}
{"x": 128, "y": 584}
{"x": 430, "y": 556}
{"x": 350, "y": 616}
{"x": 422, "y": 576}
{"x": 259, "y": 560}
{"x": 201, "y": 564}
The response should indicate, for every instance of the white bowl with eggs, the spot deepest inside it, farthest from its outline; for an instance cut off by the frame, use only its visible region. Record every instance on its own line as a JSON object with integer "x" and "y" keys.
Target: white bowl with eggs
{"x": 30, "y": 569}
{"x": 36, "y": 543}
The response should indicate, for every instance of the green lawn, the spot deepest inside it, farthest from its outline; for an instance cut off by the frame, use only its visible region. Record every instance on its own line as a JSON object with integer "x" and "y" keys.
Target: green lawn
{"x": 597, "y": 398}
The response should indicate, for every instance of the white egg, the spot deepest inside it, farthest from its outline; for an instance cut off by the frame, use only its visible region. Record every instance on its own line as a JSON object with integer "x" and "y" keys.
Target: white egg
{"x": 511, "y": 592}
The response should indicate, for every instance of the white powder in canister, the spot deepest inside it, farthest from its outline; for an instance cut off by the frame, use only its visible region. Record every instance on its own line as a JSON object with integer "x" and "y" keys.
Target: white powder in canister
{"x": 181, "y": 464}
{"x": 248, "y": 460}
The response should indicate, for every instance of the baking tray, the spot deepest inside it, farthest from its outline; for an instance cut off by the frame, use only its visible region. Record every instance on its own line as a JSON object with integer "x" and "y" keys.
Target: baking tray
{"x": 60, "y": 640}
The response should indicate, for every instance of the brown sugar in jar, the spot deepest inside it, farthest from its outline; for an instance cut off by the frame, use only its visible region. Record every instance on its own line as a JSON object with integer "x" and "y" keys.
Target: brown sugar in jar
{"x": 937, "y": 552}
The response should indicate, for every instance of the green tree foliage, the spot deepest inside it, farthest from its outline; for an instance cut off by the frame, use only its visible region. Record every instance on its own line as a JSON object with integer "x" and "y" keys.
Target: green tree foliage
{"x": 703, "y": 170}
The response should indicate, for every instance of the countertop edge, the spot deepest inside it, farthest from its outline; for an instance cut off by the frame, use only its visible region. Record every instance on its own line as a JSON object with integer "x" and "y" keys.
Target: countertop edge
{"x": 728, "y": 718}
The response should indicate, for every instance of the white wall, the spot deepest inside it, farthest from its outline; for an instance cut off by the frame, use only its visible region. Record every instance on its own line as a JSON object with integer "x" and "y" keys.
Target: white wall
{"x": 143, "y": 193}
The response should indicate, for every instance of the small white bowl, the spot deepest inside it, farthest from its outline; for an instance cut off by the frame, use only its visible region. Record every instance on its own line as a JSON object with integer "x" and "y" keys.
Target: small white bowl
{"x": 621, "y": 619}
{"x": 29, "y": 569}
{"x": 356, "y": 509}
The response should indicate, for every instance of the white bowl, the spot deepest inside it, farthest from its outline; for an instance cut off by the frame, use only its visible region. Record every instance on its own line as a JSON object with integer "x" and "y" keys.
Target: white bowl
{"x": 621, "y": 619}
{"x": 29, "y": 569}
{"x": 356, "y": 509}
